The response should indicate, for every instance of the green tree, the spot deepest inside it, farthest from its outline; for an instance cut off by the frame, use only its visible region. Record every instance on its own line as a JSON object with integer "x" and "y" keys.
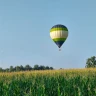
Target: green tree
{"x": 18, "y": 68}
{"x": 41, "y": 67}
{"x": 21, "y": 67}
{"x": 51, "y": 68}
{"x": 7, "y": 69}
{"x": 91, "y": 62}
{"x": 28, "y": 67}
{"x": 11, "y": 68}
{"x": 1, "y": 70}
{"x": 47, "y": 67}
{"x": 36, "y": 67}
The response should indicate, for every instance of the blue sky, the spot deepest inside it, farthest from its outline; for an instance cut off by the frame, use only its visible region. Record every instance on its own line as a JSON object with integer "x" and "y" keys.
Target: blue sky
{"x": 25, "y": 38}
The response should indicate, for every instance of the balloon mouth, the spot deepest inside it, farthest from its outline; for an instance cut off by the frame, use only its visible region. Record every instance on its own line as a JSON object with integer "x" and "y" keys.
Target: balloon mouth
{"x": 59, "y": 46}
{"x": 59, "y": 43}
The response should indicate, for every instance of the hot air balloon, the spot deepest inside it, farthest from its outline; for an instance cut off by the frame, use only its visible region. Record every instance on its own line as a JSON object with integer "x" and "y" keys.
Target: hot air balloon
{"x": 59, "y": 34}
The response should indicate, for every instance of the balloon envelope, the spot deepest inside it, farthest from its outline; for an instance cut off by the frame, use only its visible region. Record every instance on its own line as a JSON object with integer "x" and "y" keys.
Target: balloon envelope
{"x": 59, "y": 34}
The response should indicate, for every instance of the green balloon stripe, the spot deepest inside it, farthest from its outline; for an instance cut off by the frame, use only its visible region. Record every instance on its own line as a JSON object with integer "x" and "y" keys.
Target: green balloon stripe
{"x": 59, "y": 39}
{"x": 58, "y": 29}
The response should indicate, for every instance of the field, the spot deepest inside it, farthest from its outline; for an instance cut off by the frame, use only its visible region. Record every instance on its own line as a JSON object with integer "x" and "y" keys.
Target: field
{"x": 67, "y": 82}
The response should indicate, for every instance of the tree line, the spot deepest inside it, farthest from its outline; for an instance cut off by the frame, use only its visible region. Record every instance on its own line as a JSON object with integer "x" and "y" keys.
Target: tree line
{"x": 26, "y": 68}
{"x": 90, "y": 63}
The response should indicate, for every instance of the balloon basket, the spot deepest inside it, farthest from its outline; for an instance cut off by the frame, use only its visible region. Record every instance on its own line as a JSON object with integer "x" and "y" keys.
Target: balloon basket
{"x": 59, "y": 49}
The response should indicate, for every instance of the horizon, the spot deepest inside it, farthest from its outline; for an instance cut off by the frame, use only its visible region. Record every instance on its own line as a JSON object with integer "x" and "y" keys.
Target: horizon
{"x": 25, "y": 33}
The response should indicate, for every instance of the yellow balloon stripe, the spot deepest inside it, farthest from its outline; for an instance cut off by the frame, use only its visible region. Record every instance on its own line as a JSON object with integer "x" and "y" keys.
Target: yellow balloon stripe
{"x": 58, "y": 29}
{"x": 59, "y": 39}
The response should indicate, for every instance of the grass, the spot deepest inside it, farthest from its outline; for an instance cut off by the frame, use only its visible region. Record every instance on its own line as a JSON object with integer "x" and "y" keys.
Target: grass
{"x": 67, "y": 82}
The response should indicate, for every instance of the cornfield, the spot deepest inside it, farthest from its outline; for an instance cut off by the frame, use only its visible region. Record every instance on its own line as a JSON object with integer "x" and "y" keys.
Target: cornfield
{"x": 66, "y": 82}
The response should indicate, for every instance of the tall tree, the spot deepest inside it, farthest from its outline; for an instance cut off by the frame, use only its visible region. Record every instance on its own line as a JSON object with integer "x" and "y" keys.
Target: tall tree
{"x": 91, "y": 62}
{"x": 36, "y": 67}
{"x": 41, "y": 67}
{"x": 1, "y": 69}
{"x": 18, "y": 68}
{"x": 28, "y": 67}
{"x": 47, "y": 67}
{"x": 11, "y": 68}
{"x": 51, "y": 68}
{"x": 21, "y": 67}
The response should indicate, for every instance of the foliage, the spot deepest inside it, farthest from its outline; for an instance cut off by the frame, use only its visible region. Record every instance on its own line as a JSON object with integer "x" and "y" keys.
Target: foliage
{"x": 76, "y": 82}
{"x": 91, "y": 62}
{"x": 26, "y": 68}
